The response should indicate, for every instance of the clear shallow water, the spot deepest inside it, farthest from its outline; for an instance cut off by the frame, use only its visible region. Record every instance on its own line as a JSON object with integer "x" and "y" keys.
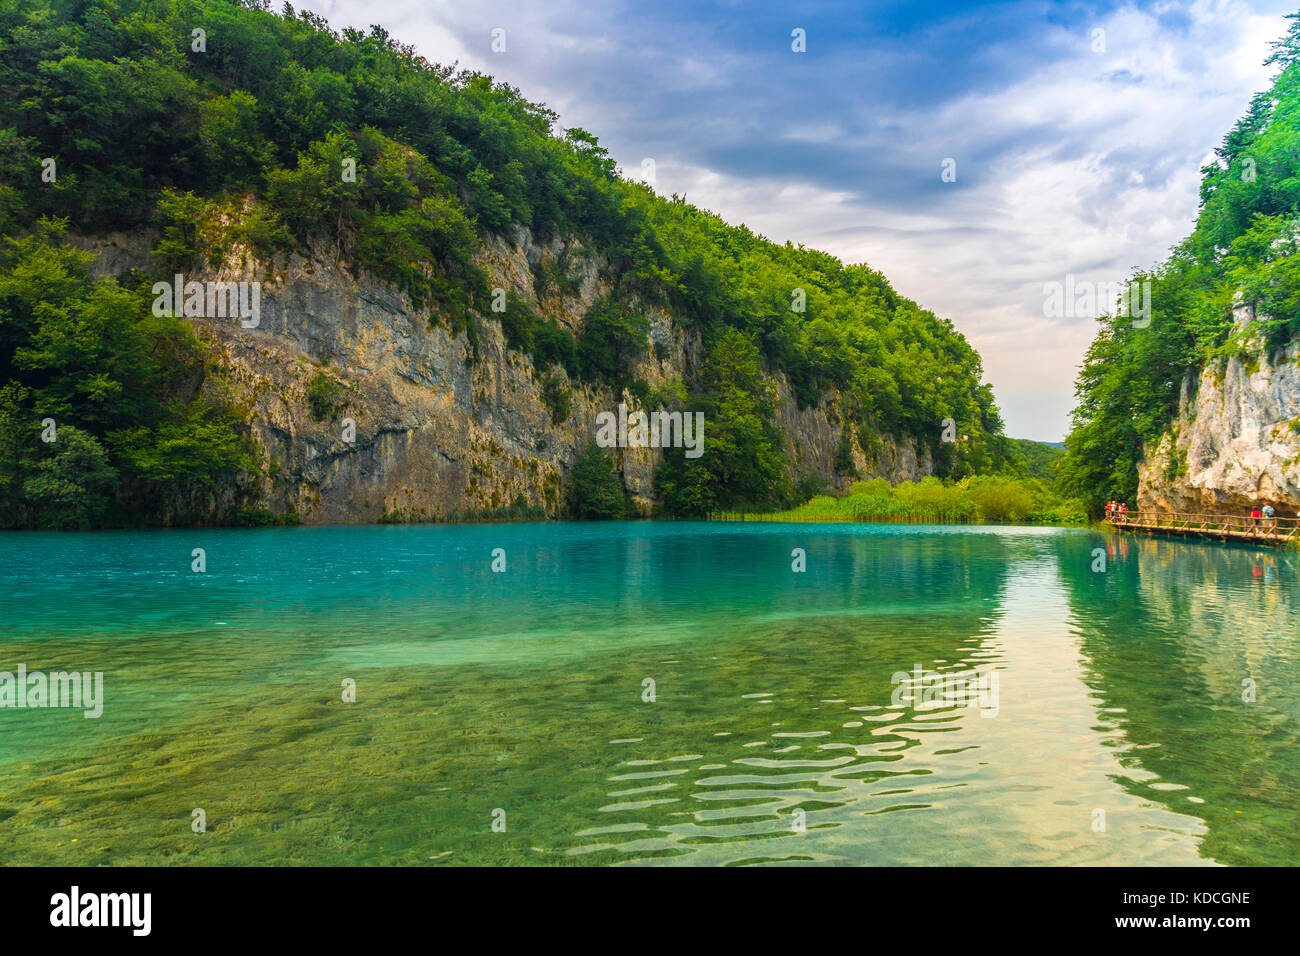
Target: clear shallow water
{"x": 772, "y": 737}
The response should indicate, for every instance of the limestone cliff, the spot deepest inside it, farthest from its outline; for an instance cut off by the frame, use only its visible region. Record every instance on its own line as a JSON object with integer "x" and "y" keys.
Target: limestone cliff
{"x": 1235, "y": 441}
{"x": 440, "y": 432}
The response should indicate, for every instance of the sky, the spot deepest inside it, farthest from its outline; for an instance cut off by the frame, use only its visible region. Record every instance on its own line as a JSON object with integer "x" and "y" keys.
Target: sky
{"x": 1072, "y": 134}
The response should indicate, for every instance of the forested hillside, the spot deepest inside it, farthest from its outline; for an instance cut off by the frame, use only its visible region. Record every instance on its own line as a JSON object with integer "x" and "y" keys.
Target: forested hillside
{"x": 210, "y": 123}
{"x": 1038, "y": 459}
{"x": 1246, "y": 243}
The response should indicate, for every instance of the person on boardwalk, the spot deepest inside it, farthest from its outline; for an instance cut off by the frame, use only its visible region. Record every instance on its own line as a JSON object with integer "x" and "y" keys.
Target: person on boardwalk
{"x": 1254, "y": 517}
{"x": 1269, "y": 521}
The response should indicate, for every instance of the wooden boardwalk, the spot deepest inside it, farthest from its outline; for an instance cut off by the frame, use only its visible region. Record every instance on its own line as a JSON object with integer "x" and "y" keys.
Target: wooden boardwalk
{"x": 1226, "y": 527}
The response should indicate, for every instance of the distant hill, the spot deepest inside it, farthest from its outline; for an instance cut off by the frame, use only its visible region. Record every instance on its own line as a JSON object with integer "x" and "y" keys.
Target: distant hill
{"x": 1039, "y": 457}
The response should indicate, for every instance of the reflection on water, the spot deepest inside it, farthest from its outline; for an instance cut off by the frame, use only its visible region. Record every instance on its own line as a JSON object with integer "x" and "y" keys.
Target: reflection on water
{"x": 1195, "y": 649}
{"x": 652, "y": 693}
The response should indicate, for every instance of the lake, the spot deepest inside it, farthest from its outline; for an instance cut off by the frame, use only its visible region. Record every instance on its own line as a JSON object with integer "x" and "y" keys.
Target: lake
{"x": 652, "y": 693}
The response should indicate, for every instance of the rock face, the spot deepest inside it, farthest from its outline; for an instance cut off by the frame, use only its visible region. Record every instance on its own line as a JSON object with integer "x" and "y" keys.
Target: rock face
{"x": 408, "y": 423}
{"x": 1235, "y": 442}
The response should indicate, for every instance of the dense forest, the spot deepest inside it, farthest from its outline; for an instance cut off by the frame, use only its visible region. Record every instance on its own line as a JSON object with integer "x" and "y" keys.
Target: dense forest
{"x": 1245, "y": 243}
{"x": 212, "y": 121}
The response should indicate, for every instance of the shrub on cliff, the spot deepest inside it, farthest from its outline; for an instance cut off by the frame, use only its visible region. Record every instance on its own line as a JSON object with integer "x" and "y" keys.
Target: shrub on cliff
{"x": 326, "y": 396}
{"x": 614, "y": 337}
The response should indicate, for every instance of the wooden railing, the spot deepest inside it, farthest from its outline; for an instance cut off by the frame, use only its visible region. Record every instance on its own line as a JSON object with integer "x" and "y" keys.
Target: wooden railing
{"x": 1226, "y": 526}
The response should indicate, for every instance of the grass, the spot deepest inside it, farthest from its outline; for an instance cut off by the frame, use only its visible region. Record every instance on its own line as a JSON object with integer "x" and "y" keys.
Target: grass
{"x": 983, "y": 499}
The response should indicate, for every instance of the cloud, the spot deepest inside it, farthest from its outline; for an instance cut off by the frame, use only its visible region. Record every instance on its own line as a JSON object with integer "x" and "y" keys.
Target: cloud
{"x": 1070, "y": 160}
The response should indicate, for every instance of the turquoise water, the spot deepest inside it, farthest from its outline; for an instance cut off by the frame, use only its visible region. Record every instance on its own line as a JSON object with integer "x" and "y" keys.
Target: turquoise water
{"x": 509, "y": 717}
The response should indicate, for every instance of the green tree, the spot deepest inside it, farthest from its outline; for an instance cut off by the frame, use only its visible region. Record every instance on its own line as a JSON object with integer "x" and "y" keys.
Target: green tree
{"x": 614, "y": 336}
{"x": 595, "y": 487}
{"x": 742, "y": 463}
{"x": 120, "y": 384}
{"x": 71, "y": 487}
